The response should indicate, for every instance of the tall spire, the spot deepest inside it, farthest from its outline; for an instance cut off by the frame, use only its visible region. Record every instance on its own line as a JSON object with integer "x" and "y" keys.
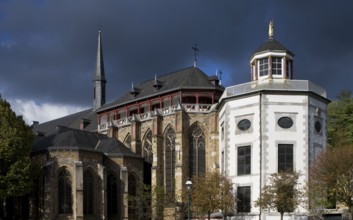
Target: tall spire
{"x": 99, "y": 80}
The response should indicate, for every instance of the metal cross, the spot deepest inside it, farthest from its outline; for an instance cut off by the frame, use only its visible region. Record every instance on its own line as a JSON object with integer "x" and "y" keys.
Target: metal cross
{"x": 195, "y": 53}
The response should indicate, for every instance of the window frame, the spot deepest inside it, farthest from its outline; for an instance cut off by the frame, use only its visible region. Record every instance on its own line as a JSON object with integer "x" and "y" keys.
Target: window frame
{"x": 283, "y": 165}
{"x": 88, "y": 193}
{"x": 243, "y": 168}
{"x": 65, "y": 192}
{"x": 276, "y": 66}
{"x": 263, "y": 67}
{"x": 244, "y": 205}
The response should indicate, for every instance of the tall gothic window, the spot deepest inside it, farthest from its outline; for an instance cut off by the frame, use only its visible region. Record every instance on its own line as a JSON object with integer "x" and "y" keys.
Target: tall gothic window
{"x": 132, "y": 193}
{"x": 41, "y": 192}
{"x": 148, "y": 155}
{"x": 127, "y": 140}
{"x": 147, "y": 148}
{"x": 170, "y": 161}
{"x": 64, "y": 192}
{"x": 88, "y": 192}
{"x": 197, "y": 162}
{"x": 112, "y": 195}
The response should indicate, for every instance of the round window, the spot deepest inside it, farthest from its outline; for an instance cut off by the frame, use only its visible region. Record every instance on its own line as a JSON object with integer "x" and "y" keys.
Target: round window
{"x": 318, "y": 126}
{"x": 285, "y": 122}
{"x": 244, "y": 124}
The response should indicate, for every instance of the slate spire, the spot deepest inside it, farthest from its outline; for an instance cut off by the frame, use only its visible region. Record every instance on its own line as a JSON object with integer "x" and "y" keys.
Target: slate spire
{"x": 99, "y": 80}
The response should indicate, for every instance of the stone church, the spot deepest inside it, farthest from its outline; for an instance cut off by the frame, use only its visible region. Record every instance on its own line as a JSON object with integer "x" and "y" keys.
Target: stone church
{"x": 161, "y": 132}
{"x": 174, "y": 126}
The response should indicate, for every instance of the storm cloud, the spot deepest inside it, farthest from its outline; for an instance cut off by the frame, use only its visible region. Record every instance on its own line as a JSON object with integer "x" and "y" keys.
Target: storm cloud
{"x": 48, "y": 48}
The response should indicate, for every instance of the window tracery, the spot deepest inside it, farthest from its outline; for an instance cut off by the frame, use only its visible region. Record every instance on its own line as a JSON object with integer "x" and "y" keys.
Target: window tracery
{"x": 170, "y": 161}
{"x": 64, "y": 192}
{"x": 197, "y": 162}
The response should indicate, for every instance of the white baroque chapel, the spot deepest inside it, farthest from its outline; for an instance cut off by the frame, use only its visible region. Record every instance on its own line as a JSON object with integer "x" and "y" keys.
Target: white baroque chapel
{"x": 271, "y": 124}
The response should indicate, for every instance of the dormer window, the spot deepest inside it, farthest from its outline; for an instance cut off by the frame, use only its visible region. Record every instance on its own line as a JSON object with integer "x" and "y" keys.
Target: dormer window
{"x": 263, "y": 67}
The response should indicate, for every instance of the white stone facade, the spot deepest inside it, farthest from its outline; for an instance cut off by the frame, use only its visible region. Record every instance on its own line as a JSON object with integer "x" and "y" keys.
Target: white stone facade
{"x": 263, "y": 104}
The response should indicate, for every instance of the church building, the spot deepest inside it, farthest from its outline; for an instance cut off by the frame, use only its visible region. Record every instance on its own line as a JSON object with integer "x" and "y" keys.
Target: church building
{"x": 174, "y": 126}
{"x": 271, "y": 124}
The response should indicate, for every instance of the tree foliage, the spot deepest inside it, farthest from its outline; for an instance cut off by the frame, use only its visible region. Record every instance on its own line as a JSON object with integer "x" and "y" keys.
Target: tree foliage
{"x": 340, "y": 120}
{"x": 282, "y": 193}
{"x": 212, "y": 192}
{"x": 331, "y": 177}
{"x": 15, "y": 148}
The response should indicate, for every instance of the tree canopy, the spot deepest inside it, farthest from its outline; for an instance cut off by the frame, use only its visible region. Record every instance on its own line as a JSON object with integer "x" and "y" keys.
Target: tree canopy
{"x": 331, "y": 178}
{"x": 212, "y": 192}
{"x": 340, "y": 120}
{"x": 282, "y": 193}
{"x": 15, "y": 149}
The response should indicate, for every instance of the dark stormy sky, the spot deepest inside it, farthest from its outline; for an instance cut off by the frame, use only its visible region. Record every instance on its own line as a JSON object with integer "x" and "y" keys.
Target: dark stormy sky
{"x": 48, "y": 48}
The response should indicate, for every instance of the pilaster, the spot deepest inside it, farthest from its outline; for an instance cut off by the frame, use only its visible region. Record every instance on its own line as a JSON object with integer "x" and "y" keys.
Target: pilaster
{"x": 79, "y": 189}
{"x": 125, "y": 192}
{"x": 136, "y": 135}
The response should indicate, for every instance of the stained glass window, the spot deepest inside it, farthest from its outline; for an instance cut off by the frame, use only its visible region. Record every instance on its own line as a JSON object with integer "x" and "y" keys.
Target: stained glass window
{"x": 170, "y": 161}
{"x": 64, "y": 190}
{"x": 197, "y": 161}
{"x": 88, "y": 192}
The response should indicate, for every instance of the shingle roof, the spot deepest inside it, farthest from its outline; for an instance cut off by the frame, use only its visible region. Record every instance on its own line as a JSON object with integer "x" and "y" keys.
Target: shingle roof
{"x": 188, "y": 78}
{"x": 271, "y": 44}
{"x": 74, "y": 139}
{"x": 71, "y": 121}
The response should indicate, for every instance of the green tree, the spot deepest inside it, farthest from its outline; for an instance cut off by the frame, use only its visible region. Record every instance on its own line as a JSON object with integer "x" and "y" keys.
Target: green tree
{"x": 282, "y": 193}
{"x": 15, "y": 149}
{"x": 141, "y": 202}
{"x": 211, "y": 192}
{"x": 340, "y": 120}
{"x": 331, "y": 178}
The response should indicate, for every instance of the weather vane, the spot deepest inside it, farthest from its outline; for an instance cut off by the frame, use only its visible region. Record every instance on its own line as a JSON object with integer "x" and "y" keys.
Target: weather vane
{"x": 195, "y": 54}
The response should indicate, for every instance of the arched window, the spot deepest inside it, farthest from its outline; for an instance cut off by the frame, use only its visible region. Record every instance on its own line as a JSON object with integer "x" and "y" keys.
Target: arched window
{"x": 64, "y": 192}
{"x": 169, "y": 142}
{"x": 112, "y": 195}
{"x": 88, "y": 193}
{"x": 147, "y": 147}
{"x": 148, "y": 155}
{"x": 127, "y": 140}
{"x": 197, "y": 161}
{"x": 41, "y": 192}
{"x": 132, "y": 193}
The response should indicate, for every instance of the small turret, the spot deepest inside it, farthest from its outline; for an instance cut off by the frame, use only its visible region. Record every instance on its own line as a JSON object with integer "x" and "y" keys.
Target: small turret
{"x": 271, "y": 60}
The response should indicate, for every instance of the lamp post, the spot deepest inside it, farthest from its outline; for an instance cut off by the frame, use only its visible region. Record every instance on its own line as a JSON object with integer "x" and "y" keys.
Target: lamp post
{"x": 188, "y": 188}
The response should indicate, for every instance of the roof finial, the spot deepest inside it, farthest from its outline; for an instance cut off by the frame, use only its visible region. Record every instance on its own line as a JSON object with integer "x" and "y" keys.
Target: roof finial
{"x": 195, "y": 53}
{"x": 270, "y": 29}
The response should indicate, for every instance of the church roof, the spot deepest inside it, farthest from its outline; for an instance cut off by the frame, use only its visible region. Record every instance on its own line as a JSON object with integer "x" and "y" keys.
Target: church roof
{"x": 73, "y": 139}
{"x": 71, "y": 121}
{"x": 188, "y": 78}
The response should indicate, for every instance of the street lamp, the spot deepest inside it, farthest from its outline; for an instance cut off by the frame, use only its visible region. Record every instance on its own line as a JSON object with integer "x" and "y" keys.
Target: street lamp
{"x": 188, "y": 188}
